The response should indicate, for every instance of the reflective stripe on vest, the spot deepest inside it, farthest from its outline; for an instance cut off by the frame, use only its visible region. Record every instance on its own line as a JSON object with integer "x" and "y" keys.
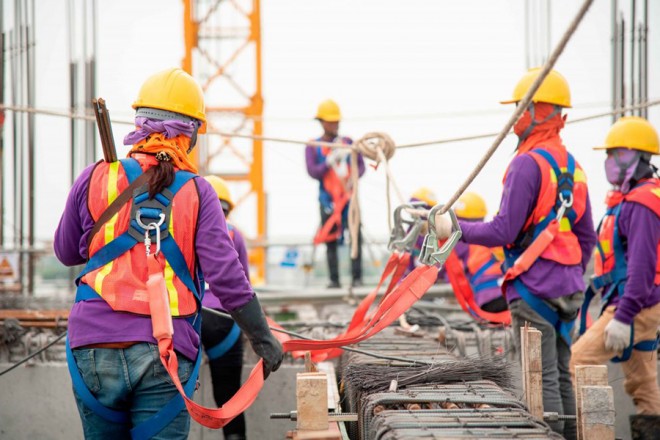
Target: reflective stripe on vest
{"x": 559, "y": 173}
{"x": 118, "y": 271}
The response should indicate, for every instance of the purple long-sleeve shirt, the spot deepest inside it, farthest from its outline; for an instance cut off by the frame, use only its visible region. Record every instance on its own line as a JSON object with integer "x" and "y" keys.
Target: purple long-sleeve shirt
{"x": 641, "y": 228}
{"x": 545, "y": 279}
{"x": 317, "y": 168}
{"x": 94, "y": 322}
{"x": 212, "y": 301}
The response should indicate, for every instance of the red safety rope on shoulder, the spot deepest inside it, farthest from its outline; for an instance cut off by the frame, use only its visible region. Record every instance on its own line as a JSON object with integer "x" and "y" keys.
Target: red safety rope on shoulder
{"x": 465, "y": 296}
{"x": 393, "y": 305}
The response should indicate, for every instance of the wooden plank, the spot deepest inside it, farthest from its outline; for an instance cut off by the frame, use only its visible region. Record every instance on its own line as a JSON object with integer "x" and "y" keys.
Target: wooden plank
{"x": 312, "y": 401}
{"x": 597, "y": 410}
{"x": 32, "y": 315}
{"x": 532, "y": 370}
{"x": 587, "y": 375}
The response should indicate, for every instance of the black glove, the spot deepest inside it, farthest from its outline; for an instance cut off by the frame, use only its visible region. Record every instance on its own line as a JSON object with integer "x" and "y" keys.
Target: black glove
{"x": 250, "y": 318}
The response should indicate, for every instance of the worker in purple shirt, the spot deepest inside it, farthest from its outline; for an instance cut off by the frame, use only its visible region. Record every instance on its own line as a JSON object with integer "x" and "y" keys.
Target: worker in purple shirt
{"x": 627, "y": 272}
{"x": 331, "y": 167}
{"x": 120, "y": 385}
{"x": 548, "y": 295}
{"x": 221, "y": 336}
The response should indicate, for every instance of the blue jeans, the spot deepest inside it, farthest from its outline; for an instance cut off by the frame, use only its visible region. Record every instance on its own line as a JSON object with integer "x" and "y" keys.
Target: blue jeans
{"x": 131, "y": 380}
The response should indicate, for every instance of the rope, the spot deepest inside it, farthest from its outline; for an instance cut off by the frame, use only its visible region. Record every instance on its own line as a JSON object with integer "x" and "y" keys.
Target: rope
{"x": 379, "y": 147}
{"x": 522, "y": 105}
{"x": 617, "y": 111}
{"x": 30, "y": 356}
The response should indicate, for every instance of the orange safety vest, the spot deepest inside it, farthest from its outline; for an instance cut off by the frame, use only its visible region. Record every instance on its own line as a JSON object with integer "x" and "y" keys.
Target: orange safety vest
{"x": 481, "y": 261}
{"x": 553, "y": 161}
{"x": 610, "y": 250}
{"x": 122, "y": 281}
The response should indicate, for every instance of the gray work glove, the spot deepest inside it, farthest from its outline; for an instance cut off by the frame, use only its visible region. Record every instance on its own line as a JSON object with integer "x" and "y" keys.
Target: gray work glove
{"x": 617, "y": 336}
{"x": 250, "y": 318}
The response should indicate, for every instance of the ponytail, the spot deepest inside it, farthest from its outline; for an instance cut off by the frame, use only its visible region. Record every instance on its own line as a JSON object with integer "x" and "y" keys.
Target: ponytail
{"x": 162, "y": 177}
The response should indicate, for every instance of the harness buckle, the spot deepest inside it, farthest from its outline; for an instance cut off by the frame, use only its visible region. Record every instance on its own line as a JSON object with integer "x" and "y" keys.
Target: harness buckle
{"x": 400, "y": 239}
{"x": 431, "y": 253}
{"x": 152, "y": 226}
{"x": 566, "y": 203}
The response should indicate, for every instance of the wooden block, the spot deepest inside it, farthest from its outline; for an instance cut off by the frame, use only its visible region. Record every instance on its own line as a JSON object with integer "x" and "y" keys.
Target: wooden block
{"x": 598, "y": 416}
{"x": 317, "y": 435}
{"x": 312, "y": 401}
{"x": 587, "y": 375}
{"x": 309, "y": 365}
{"x": 532, "y": 370}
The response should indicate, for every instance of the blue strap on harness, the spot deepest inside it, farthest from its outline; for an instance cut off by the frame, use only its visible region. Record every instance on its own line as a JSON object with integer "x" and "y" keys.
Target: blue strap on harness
{"x": 563, "y": 328}
{"x": 219, "y": 350}
{"x": 647, "y": 345}
{"x": 84, "y": 292}
{"x": 87, "y": 397}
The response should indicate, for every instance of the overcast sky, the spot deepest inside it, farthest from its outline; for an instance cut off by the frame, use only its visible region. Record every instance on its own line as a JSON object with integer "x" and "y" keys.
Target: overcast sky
{"x": 418, "y": 70}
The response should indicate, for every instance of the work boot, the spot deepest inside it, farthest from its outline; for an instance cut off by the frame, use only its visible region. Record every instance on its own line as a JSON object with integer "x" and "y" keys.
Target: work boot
{"x": 334, "y": 285}
{"x": 645, "y": 427}
{"x": 357, "y": 282}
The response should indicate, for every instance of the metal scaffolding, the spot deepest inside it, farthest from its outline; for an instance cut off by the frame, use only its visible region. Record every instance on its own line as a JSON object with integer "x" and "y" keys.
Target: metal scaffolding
{"x": 223, "y": 51}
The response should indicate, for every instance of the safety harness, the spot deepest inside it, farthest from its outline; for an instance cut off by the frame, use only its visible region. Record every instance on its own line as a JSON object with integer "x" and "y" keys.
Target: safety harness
{"x": 149, "y": 221}
{"x": 614, "y": 281}
{"x": 465, "y": 289}
{"x": 531, "y": 243}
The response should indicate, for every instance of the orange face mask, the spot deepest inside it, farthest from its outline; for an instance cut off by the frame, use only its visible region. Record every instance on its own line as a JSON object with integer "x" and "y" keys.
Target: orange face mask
{"x": 176, "y": 148}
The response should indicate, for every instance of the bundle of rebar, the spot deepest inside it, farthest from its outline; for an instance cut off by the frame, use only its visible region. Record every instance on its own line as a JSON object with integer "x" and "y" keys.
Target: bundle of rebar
{"x": 373, "y": 378}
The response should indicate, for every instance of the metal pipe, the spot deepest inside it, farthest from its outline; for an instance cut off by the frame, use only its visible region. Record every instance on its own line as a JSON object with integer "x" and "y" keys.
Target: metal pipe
{"x": 2, "y": 130}
{"x": 622, "y": 65}
{"x": 31, "y": 182}
{"x": 632, "y": 52}
{"x": 645, "y": 57}
{"x": 615, "y": 59}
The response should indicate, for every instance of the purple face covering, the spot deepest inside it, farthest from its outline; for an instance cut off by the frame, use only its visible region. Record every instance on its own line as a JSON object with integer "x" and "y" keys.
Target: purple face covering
{"x": 620, "y": 166}
{"x": 146, "y": 126}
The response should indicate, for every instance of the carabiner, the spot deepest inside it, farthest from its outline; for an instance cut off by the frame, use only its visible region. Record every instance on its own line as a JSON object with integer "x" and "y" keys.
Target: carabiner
{"x": 565, "y": 204}
{"x": 400, "y": 239}
{"x": 431, "y": 253}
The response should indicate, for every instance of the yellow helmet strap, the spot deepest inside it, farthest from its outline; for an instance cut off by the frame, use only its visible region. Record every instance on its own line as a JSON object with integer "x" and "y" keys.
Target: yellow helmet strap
{"x": 525, "y": 134}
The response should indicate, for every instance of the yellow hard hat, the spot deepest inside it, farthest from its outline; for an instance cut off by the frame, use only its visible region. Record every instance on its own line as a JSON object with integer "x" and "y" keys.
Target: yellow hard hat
{"x": 328, "y": 111}
{"x": 221, "y": 189}
{"x": 470, "y": 206}
{"x": 425, "y": 195}
{"x": 554, "y": 88}
{"x": 176, "y": 91}
{"x": 632, "y": 132}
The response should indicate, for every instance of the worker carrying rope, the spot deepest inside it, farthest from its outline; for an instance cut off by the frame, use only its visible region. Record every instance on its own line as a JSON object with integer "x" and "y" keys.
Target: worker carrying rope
{"x": 332, "y": 168}
{"x": 151, "y": 232}
{"x": 545, "y": 225}
{"x": 627, "y": 271}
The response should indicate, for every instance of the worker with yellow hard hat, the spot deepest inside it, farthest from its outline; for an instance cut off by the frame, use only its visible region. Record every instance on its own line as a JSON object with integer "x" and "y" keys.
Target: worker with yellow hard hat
{"x": 148, "y": 228}
{"x": 627, "y": 270}
{"x": 481, "y": 265}
{"x": 221, "y": 336}
{"x": 332, "y": 168}
{"x": 545, "y": 195}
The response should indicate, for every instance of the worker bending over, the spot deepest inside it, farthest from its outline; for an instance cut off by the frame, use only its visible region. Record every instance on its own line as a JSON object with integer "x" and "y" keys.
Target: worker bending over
{"x": 627, "y": 271}
{"x": 332, "y": 168}
{"x": 221, "y": 336}
{"x": 545, "y": 191}
{"x": 165, "y": 230}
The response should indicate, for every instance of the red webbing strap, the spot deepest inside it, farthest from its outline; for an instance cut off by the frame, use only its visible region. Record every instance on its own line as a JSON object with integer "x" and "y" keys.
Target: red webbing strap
{"x": 465, "y": 296}
{"x": 533, "y": 252}
{"x": 396, "y": 266}
{"x": 394, "y": 305}
{"x": 323, "y": 235}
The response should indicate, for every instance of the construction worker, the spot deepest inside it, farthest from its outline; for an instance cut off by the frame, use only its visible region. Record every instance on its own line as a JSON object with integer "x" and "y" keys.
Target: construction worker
{"x": 627, "y": 271}
{"x": 545, "y": 194}
{"x": 146, "y": 221}
{"x": 222, "y": 336}
{"x": 331, "y": 167}
{"x": 481, "y": 265}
